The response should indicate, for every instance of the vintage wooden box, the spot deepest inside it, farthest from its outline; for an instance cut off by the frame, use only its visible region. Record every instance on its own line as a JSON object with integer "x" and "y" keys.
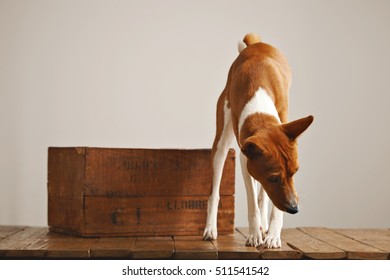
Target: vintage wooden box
{"x": 135, "y": 192}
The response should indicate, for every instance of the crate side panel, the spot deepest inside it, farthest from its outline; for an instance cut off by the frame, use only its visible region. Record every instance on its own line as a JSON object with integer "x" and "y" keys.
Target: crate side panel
{"x": 153, "y": 172}
{"x": 157, "y": 215}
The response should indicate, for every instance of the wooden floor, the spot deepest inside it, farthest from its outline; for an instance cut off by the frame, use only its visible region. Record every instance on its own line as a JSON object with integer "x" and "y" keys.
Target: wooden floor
{"x": 298, "y": 243}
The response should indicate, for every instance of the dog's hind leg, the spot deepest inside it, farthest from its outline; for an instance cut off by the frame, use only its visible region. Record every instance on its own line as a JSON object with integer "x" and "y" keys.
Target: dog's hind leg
{"x": 222, "y": 141}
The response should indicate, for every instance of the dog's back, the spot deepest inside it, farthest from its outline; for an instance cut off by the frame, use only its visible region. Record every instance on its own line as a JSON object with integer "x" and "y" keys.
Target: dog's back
{"x": 258, "y": 65}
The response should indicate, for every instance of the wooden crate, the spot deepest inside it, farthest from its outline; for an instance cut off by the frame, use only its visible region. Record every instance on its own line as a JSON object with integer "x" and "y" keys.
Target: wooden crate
{"x": 135, "y": 192}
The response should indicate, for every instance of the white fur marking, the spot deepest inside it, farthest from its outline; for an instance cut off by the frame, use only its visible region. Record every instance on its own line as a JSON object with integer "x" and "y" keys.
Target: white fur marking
{"x": 241, "y": 46}
{"x": 275, "y": 228}
{"x": 260, "y": 103}
{"x": 263, "y": 201}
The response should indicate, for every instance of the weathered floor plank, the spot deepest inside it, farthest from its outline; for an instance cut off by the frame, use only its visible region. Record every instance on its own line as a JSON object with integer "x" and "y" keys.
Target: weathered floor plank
{"x": 378, "y": 238}
{"x": 193, "y": 247}
{"x": 310, "y": 246}
{"x": 6, "y": 231}
{"x": 153, "y": 248}
{"x": 232, "y": 247}
{"x": 113, "y": 247}
{"x": 353, "y": 248}
{"x": 65, "y": 248}
{"x": 283, "y": 253}
{"x": 16, "y": 245}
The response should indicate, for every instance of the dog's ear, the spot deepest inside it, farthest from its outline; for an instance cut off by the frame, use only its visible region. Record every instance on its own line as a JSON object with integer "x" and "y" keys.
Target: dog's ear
{"x": 295, "y": 128}
{"x": 251, "y": 148}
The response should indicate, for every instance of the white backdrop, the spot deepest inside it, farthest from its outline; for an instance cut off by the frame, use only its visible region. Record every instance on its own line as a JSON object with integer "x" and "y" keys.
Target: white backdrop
{"x": 148, "y": 74}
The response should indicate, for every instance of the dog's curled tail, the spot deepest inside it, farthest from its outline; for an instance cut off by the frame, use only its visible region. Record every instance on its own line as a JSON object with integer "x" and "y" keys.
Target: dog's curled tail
{"x": 249, "y": 39}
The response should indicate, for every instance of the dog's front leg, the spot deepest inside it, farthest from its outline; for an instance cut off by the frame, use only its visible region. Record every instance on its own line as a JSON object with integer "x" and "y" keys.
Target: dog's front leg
{"x": 273, "y": 239}
{"x": 263, "y": 205}
{"x": 255, "y": 237}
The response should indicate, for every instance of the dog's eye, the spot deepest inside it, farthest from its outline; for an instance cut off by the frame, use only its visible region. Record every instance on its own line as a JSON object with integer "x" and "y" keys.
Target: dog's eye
{"x": 274, "y": 179}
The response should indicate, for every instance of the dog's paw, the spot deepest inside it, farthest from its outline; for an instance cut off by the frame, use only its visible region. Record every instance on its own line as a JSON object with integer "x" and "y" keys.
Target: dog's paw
{"x": 254, "y": 239}
{"x": 210, "y": 233}
{"x": 272, "y": 241}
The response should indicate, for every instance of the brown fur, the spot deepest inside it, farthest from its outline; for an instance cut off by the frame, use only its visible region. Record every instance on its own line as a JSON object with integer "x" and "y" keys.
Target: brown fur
{"x": 270, "y": 147}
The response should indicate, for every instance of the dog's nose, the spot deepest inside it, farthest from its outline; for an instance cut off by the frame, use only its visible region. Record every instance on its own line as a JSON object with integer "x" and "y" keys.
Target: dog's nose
{"x": 292, "y": 208}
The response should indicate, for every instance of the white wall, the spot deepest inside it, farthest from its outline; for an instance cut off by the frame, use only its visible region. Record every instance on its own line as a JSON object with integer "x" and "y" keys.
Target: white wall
{"x": 148, "y": 74}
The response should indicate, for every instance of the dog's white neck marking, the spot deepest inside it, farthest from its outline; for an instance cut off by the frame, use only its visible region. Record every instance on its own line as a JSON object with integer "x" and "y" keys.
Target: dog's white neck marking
{"x": 260, "y": 103}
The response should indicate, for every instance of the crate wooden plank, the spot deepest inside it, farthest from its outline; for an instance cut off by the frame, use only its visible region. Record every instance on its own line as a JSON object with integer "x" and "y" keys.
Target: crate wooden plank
{"x": 135, "y": 172}
{"x": 16, "y": 245}
{"x": 151, "y": 216}
{"x": 142, "y": 171}
{"x": 153, "y": 248}
{"x": 113, "y": 247}
{"x": 283, "y": 253}
{"x": 66, "y": 173}
{"x": 378, "y": 238}
{"x": 194, "y": 248}
{"x": 310, "y": 246}
{"x": 353, "y": 248}
{"x": 232, "y": 246}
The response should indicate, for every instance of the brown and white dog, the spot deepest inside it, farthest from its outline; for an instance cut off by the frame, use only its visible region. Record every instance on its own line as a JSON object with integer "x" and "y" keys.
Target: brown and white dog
{"x": 254, "y": 107}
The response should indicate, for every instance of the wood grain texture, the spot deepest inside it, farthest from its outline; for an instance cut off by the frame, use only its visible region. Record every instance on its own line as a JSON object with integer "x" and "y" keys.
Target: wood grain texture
{"x": 153, "y": 172}
{"x": 16, "y": 245}
{"x": 152, "y": 216}
{"x": 354, "y": 249}
{"x": 153, "y": 248}
{"x": 66, "y": 173}
{"x": 283, "y": 253}
{"x": 232, "y": 247}
{"x": 313, "y": 243}
{"x": 114, "y": 247}
{"x": 194, "y": 248}
{"x": 67, "y": 248}
{"x": 9, "y": 230}
{"x": 310, "y": 246}
{"x": 378, "y": 238}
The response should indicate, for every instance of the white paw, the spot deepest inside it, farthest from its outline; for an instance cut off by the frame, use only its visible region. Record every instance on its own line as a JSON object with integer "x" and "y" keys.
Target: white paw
{"x": 254, "y": 239}
{"x": 272, "y": 241}
{"x": 210, "y": 233}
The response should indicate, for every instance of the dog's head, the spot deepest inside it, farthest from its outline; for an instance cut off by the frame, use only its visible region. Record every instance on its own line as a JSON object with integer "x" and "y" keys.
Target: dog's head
{"x": 273, "y": 160}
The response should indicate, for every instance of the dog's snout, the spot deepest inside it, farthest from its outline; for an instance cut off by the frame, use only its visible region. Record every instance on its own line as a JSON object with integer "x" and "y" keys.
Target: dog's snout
{"x": 293, "y": 208}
